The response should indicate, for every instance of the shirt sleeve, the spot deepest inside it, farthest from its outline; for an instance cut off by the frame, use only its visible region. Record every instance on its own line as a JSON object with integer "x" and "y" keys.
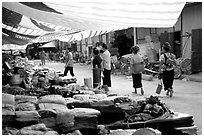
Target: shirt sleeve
{"x": 131, "y": 60}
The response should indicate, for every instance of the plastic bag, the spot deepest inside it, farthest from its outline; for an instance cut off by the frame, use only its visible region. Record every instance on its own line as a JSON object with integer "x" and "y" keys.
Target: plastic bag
{"x": 159, "y": 87}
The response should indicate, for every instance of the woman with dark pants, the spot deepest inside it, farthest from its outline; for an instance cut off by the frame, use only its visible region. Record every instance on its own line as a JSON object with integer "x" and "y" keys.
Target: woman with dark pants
{"x": 68, "y": 62}
{"x": 106, "y": 65}
{"x": 167, "y": 64}
{"x": 96, "y": 68}
{"x": 136, "y": 68}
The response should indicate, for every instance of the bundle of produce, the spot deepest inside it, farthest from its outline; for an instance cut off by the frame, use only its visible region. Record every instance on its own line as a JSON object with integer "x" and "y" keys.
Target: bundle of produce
{"x": 14, "y": 90}
{"x": 64, "y": 120}
{"x": 38, "y": 129}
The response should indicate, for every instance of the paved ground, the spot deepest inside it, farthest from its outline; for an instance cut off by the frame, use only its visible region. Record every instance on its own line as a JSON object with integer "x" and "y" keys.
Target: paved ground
{"x": 187, "y": 97}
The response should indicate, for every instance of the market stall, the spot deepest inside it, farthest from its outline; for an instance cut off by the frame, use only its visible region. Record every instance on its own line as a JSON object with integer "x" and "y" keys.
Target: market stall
{"x": 41, "y": 101}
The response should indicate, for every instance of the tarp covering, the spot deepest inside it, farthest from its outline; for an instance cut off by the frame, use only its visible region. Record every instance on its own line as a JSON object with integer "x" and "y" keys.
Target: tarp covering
{"x": 48, "y": 45}
{"x": 13, "y": 47}
{"x": 88, "y": 17}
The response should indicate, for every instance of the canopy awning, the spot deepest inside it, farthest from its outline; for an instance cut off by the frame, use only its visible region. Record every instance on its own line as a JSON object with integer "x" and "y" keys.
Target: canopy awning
{"x": 48, "y": 45}
{"x": 13, "y": 47}
{"x": 79, "y": 19}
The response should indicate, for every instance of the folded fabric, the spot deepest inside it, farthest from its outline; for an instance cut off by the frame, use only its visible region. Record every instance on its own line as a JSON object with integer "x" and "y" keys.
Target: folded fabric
{"x": 28, "y": 106}
{"x": 41, "y": 127}
{"x": 8, "y": 99}
{"x": 8, "y": 109}
{"x": 47, "y": 113}
{"x": 71, "y": 100}
{"x": 85, "y": 111}
{"x": 26, "y": 116}
{"x": 122, "y": 132}
{"x": 53, "y": 106}
{"x": 50, "y": 122}
{"x": 23, "y": 98}
{"x": 98, "y": 96}
{"x": 82, "y": 97}
{"x": 58, "y": 99}
{"x": 64, "y": 116}
{"x": 102, "y": 103}
{"x": 51, "y": 133}
{"x": 30, "y": 132}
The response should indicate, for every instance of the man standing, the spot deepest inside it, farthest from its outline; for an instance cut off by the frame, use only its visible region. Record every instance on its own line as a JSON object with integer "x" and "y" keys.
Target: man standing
{"x": 106, "y": 65}
{"x": 68, "y": 62}
{"x": 42, "y": 57}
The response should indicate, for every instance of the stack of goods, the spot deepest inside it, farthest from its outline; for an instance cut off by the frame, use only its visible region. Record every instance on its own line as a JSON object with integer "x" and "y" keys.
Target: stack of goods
{"x": 8, "y": 109}
{"x": 25, "y": 108}
{"x": 141, "y": 131}
{"x": 37, "y": 129}
{"x": 54, "y": 113}
{"x": 66, "y": 80}
{"x": 151, "y": 108}
{"x": 86, "y": 120}
{"x": 39, "y": 79}
{"x": 14, "y": 90}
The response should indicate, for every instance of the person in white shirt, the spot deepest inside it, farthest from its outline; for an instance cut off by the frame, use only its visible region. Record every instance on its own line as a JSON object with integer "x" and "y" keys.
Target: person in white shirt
{"x": 106, "y": 65}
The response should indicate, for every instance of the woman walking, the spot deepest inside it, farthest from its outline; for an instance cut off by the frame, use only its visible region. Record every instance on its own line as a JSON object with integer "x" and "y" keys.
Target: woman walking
{"x": 68, "y": 62}
{"x": 136, "y": 68}
{"x": 167, "y": 64}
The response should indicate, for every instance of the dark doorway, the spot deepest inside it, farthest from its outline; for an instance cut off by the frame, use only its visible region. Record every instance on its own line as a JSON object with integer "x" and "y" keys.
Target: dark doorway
{"x": 177, "y": 44}
{"x": 196, "y": 55}
{"x": 174, "y": 38}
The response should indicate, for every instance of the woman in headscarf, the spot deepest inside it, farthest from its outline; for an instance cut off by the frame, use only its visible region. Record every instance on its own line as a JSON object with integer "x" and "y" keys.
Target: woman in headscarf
{"x": 136, "y": 68}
